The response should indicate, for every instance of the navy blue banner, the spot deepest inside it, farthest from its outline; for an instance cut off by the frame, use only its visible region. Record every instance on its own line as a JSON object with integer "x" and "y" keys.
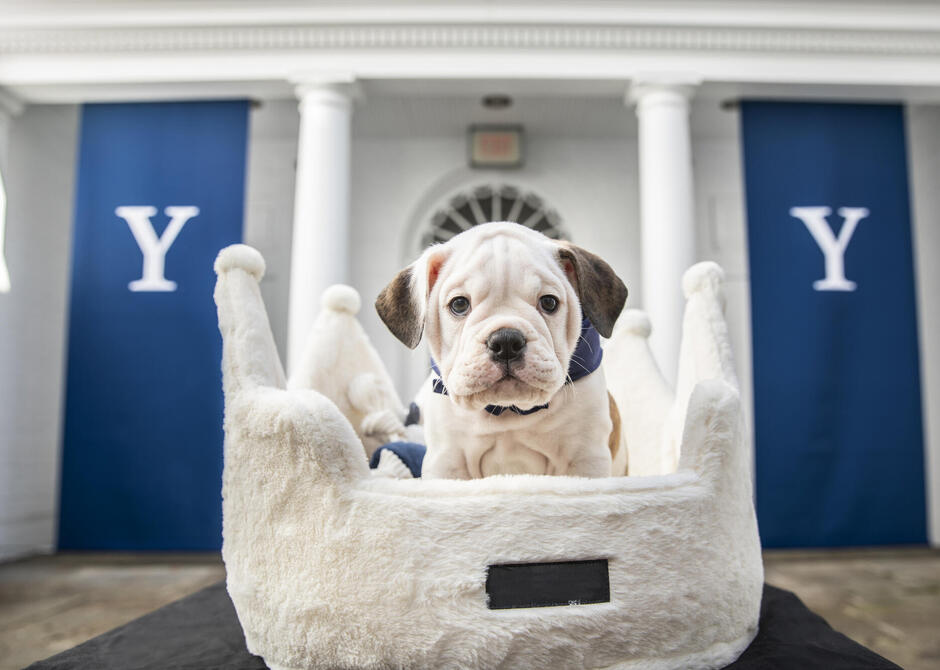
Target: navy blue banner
{"x": 160, "y": 191}
{"x": 839, "y": 443}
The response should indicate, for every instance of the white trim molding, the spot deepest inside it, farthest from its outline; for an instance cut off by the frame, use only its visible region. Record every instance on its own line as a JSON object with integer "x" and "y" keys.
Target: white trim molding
{"x": 58, "y": 51}
{"x": 4, "y": 270}
{"x": 10, "y": 106}
{"x": 468, "y": 36}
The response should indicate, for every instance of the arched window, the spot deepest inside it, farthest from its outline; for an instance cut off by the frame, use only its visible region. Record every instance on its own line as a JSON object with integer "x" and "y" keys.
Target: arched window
{"x": 493, "y": 203}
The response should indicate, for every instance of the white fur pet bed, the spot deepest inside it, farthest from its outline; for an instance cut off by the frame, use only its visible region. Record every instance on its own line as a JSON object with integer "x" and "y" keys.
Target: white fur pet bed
{"x": 331, "y": 566}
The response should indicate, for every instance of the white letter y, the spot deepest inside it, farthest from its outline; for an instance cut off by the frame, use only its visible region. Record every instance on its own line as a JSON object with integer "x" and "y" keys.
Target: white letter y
{"x": 153, "y": 248}
{"x": 833, "y": 248}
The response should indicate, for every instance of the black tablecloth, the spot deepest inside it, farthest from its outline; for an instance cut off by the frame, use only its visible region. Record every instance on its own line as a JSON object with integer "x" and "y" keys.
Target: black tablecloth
{"x": 201, "y": 632}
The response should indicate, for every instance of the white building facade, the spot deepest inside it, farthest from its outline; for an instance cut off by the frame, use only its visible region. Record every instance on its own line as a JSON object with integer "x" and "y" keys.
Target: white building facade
{"x": 358, "y": 138}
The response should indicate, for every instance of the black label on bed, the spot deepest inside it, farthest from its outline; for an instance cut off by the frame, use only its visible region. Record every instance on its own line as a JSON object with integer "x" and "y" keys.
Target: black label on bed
{"x": 512, "y": 585}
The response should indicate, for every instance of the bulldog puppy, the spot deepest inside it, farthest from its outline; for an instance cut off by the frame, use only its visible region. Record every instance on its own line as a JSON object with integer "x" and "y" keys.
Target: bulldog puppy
{"x": 512, "y": 319}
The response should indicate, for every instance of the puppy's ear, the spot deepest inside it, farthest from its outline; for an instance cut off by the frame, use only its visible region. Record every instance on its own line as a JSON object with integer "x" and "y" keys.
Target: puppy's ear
{"x": 600, "y": 290}
{"x": 402, "y": 304}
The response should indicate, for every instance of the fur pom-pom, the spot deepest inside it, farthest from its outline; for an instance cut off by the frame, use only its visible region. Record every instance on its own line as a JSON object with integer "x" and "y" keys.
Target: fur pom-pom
{"x": 701, "y": 276}
{"x": 635, "y": 322}
{"x": 341, "y": 298}
{"x": 240, "y": 256}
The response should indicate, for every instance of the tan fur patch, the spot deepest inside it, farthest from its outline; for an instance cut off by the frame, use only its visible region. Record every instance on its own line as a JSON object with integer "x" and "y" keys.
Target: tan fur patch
{"x": 614, "y": 440}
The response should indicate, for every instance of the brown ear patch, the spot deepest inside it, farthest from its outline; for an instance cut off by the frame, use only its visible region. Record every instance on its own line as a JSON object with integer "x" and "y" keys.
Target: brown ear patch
{"x": 399, "y": 311}
{"x": 600, "y": 290}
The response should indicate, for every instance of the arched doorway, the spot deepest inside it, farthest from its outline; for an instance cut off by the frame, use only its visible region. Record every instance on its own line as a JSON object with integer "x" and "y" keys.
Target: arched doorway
{"x": 486, "y": 203}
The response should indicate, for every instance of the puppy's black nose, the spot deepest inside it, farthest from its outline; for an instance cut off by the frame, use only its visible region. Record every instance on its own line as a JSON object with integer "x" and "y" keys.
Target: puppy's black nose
{"x": 506, "y": 345}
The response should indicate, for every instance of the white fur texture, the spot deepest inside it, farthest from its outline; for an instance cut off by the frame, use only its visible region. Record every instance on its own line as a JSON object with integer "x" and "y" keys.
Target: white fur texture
{"x": 341, "y": 363}
{"x": 331, "y": 567}
{"x": 341, "y": 298}
{"x": 653, "y": 415}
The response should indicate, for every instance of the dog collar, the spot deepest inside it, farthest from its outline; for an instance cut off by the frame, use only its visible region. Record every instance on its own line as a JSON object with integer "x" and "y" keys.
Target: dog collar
{"x": 585, "y": 360}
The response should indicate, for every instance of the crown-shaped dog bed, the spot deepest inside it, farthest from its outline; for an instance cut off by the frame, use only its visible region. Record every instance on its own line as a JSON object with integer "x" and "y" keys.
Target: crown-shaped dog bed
{"x": 331, "y": 566}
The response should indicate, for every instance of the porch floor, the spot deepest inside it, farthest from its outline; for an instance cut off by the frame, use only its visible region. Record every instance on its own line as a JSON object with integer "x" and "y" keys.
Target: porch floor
{"x": 886, "y": 599}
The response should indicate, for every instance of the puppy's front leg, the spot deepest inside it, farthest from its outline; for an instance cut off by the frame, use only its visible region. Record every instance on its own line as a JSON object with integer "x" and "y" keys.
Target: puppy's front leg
{"x": 591, "y": 463}
{"x": 445, "y": 463}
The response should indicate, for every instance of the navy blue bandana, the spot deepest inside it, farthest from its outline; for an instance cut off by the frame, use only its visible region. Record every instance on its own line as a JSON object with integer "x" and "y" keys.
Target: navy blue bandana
{"x": 585, "y": 360}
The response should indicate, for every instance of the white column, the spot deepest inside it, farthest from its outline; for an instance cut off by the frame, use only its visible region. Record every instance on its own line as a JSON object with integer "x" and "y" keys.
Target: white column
{"x": 9, "y": 107}
{"x": 320, "y": 245}
{"x": 667, "y": 224}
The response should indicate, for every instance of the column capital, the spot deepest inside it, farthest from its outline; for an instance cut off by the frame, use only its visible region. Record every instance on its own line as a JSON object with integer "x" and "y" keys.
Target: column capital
{"x": 339, "y": 88}
{"x": 662, "y": 87}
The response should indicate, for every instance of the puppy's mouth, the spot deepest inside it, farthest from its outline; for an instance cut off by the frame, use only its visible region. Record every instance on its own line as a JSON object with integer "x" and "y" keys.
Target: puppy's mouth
{"x": 510, "y": 389}
{"x": 520, "y": 383}
{"x": 507, "y": 374}
{"x": 508, "y": 380}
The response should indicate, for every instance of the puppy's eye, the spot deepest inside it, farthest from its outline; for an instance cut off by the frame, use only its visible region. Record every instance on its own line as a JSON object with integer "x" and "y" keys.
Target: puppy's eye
{"x": 548, "y": 303}
{"x": 459, "y": 306}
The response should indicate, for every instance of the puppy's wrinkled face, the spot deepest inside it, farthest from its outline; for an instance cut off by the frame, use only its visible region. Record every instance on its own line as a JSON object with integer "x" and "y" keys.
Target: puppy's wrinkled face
{"x": 501, "y": 306}
{"x": 503, "y": 321}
